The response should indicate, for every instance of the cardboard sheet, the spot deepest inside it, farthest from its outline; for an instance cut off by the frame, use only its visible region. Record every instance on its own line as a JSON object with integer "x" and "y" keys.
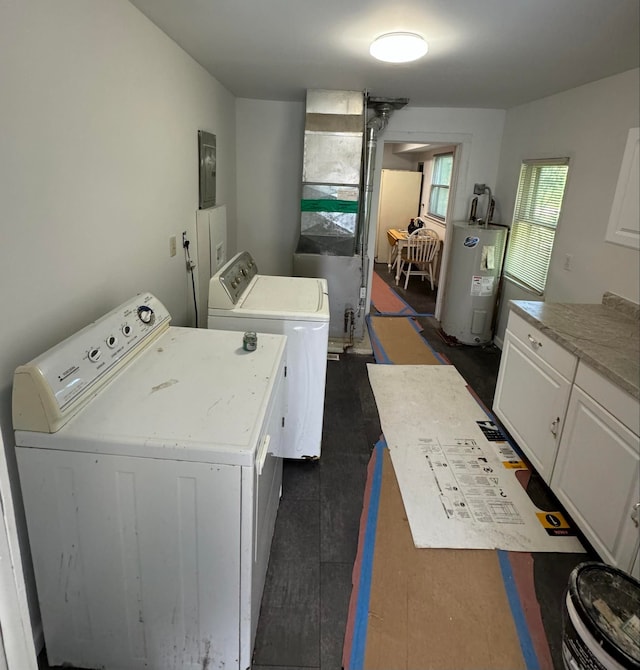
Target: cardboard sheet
{"x": 386, "y": 300}
{"x": 449, "y": 610}
{"x": 396, "y": 339}
{"x": 455, "y": 470}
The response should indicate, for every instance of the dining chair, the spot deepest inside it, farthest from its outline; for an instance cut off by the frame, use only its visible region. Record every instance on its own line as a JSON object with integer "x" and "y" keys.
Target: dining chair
{"x": 419, "y": 254}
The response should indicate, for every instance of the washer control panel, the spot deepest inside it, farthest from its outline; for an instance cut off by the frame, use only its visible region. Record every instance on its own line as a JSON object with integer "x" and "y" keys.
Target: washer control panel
{"x": 52, "y": 387}
{"x": 230, "y": 282}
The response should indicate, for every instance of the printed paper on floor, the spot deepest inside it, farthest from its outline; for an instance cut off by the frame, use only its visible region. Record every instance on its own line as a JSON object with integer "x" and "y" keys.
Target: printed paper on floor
{"x": 456, "y": 472}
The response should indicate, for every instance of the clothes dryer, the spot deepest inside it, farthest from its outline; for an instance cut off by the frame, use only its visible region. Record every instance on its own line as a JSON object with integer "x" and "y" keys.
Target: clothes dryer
{"x": 242, "y": 300}
{"x": 145, "y": 455}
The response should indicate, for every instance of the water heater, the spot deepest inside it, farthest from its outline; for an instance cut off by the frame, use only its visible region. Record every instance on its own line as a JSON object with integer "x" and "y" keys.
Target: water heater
{"x": 473, "y": 277}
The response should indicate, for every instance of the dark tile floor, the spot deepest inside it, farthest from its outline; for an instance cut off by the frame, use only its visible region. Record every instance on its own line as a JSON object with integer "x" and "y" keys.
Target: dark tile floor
{"x": 304, "y": 607}
{"x": 306, "y": 597}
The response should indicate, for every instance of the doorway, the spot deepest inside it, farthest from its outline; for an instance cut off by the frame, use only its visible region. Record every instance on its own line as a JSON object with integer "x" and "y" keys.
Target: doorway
{"x": 396, "y": 206}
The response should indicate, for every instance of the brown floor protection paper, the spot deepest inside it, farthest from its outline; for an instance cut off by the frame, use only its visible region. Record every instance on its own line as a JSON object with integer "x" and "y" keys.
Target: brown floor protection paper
{"x": 434, "y": 608}
{"x": 402, "y": 344}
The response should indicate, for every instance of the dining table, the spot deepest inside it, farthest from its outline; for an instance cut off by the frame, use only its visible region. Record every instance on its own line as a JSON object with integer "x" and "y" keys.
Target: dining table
{"x": 397, "y": 239}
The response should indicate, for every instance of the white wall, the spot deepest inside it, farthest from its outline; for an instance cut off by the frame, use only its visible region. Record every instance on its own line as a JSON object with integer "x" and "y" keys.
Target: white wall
{"x": 399, "y": 161}
{"x": 100, "y": 113}
{"x": 590, "y": 125}
{"x": 269, "y": 158}
{"x": 479, "y": 131}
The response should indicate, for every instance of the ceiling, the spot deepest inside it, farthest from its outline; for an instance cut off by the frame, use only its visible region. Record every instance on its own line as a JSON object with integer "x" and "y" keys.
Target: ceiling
{"x": 482, "y": 53}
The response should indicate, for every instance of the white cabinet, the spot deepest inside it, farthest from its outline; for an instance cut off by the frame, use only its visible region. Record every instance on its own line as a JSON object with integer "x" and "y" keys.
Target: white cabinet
{"x": 597, "y": 472}
{"x": 580, "y": 432}
{"x": 624, "y": 220}
{"x": 532, "y": 392}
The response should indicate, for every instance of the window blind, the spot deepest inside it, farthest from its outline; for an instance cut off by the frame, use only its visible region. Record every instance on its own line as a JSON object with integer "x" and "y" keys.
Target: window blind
{"x": 440, "y": 182}
{"x": 535, "y": 217}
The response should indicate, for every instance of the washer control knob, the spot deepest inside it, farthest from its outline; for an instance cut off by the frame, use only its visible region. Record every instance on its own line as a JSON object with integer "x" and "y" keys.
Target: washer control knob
{"x": 244, "y": 272}
{"x": 126, "y": 330}
{"x": 145, "y": 314}
{"x": 112, "y": 340}
{"x": 94, "y": 355}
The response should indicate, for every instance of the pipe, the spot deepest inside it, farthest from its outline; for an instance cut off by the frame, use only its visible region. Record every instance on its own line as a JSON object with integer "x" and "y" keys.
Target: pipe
{"x": 488, "y": 212}
{"x": 383, "y": 110}
{"x": 374, "y": 126}
{"x": 482, "y": 189}
{"x": 349, "y": 327}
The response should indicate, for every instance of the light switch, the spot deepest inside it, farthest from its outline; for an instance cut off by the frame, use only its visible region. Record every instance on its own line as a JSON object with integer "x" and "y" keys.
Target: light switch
{"x": 172, "y": 246}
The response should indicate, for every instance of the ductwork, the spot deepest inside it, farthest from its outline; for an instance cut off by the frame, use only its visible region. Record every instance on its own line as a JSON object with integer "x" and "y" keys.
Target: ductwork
{"x": 331, "y": 172}
{"x": 337, "y": 184}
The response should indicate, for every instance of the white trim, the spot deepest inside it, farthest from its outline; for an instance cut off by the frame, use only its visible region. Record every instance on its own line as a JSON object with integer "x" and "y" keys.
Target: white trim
{"x": 462, "y": 147}
{"x": 15, "y": 622}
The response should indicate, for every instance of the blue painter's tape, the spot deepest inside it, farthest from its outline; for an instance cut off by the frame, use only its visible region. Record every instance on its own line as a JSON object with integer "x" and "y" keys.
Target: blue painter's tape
{"x": 526, "y": 644}
{"x": 358, "y": 645}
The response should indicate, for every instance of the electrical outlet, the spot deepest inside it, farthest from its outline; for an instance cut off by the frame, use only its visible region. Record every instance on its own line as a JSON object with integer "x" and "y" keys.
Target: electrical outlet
{"x": 172, "y": 246}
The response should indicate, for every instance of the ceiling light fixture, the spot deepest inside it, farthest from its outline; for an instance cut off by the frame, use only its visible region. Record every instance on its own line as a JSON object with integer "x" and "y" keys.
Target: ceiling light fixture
{"x": 398, "y": 47}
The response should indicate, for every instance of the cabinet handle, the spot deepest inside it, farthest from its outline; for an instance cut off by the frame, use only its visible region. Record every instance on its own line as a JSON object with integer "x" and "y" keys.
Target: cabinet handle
{"x": 634, "y": 513}
{"x": 534, "y": 342}
{"x": 554, "y": 426}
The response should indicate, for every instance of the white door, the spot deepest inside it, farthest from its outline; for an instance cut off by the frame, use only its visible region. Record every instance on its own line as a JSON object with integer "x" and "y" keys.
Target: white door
{"x": 3, "y": 656}
{"x": 17, "y": 651}
{"x": 598, "y": 461}
{"x": 531, "y": 399}
{"x": 399, "y": 203}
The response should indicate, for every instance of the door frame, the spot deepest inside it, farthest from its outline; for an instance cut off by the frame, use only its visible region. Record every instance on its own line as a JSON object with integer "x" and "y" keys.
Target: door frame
{"x": 15, "y": 622}
{"x": 462, "y": 141}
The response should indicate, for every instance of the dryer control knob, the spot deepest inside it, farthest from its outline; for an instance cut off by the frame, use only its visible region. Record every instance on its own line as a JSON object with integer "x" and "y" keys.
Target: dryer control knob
{"x": 145, "y": 314}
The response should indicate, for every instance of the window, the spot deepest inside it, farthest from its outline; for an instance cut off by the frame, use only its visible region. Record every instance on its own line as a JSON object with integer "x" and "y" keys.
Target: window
{"x": 440, "y": 182}
{"x": 535, "y": 217}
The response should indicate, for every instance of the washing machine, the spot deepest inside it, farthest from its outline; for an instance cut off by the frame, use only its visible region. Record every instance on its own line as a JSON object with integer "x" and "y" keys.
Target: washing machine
{"x": 145, "y": 456}
{"x": 240, "y": 299}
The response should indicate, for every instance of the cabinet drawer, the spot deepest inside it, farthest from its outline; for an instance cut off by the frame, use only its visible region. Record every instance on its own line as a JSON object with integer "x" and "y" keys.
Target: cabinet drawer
{"x": 538, "y": 343}
{"x": 624, "y": 407}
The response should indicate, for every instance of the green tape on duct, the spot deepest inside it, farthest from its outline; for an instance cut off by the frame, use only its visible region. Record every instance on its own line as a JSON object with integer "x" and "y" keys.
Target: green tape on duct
{"x": 329, "y": 205}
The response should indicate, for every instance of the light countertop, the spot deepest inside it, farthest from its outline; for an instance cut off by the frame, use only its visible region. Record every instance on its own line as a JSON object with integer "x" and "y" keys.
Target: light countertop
{"x": 605, "y": 336}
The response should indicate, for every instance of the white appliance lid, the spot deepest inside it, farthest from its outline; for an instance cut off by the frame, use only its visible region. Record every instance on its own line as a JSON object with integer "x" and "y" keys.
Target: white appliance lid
{"x": 194, "y": 395}
{"x": 297, "y": 298}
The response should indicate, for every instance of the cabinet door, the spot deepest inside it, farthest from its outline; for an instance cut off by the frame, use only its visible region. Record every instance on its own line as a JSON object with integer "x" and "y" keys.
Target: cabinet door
{"x": 597, "y": 478}
{"x": 531, "y": 400}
